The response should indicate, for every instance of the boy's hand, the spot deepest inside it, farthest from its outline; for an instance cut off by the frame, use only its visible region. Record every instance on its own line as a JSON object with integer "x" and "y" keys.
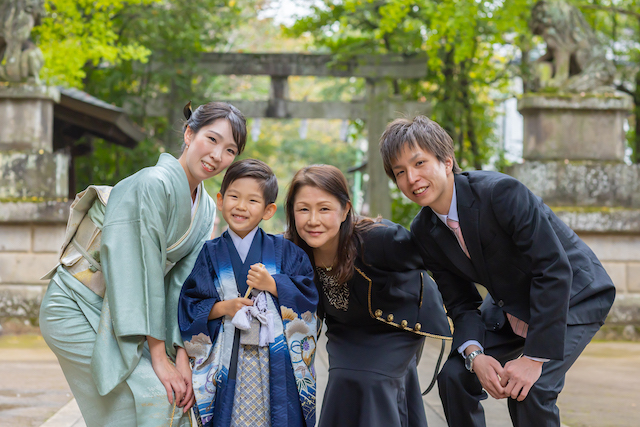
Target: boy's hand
{"x": 259, "y": 278}
{"x": 229, "y": 307}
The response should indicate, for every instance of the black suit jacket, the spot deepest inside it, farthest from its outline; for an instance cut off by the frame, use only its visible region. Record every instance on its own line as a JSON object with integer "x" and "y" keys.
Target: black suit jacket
{"x": 393, "y": 287}
{"x": 533, "y": 265}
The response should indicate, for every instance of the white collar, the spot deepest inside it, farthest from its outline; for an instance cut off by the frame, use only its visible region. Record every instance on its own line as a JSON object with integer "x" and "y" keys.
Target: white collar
{"x": 242, "y": 244}
{"x": 194, "y": 203}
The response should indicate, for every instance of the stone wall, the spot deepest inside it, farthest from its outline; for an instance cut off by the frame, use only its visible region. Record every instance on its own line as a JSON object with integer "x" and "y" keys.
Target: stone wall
{"x": 27, "y": 252}
{"x": 34, "y": 187}
{"x": 620, "y": 255}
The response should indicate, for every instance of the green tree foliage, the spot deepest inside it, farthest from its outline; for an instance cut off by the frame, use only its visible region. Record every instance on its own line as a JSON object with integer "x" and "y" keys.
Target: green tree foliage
{"x": 77, "y": 33}
{"x": 466, "y": 69}
{"x": 138, "y": 54}
{"x": 154, "y": 87}
{"x": 470, "y": 45}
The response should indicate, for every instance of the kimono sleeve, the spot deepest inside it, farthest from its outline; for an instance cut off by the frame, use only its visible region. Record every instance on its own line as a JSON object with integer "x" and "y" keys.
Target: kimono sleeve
{"x": 133, "y": 255}
{"x": 197, "y": 298}
{"x": 295, "y": 284}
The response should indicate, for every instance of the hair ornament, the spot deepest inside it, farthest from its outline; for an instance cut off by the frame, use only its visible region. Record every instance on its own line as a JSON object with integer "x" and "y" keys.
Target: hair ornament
{"x": 187, "y": 111}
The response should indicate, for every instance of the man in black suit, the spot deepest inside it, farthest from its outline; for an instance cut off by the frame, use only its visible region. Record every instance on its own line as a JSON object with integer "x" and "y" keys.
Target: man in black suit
{"x": 548, "y": 293}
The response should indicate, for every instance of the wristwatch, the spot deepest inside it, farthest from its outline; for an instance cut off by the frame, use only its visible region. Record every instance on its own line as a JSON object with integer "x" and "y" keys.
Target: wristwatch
{"x": 468, "y": 361}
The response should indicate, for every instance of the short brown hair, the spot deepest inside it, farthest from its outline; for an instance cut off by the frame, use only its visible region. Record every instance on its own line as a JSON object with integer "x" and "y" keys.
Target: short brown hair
{"x": 421, "y": 132}
{"x": 255, "y": 169}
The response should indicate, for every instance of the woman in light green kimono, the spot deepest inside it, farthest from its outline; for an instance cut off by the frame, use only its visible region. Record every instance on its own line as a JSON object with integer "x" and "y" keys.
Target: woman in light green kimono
{"x": 110, "y": 311}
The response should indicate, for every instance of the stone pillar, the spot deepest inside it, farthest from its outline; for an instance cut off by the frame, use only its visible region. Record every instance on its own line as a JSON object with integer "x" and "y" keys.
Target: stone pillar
{"x": 377, "y": 116}
{"x": 574, "y": 127}
{"x": 33, "y": 197}
{"x": 573, "y": 159}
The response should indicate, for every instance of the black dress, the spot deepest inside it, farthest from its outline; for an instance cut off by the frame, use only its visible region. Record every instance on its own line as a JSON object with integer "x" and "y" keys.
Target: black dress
{"x": 372, "y": 353}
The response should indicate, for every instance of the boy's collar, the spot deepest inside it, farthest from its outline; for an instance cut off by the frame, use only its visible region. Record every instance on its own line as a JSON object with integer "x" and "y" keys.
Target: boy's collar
{"x": 249, "y": 235}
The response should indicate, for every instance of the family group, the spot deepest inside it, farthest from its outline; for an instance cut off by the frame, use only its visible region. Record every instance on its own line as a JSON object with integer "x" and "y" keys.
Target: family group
{"x": 152, "y": 318}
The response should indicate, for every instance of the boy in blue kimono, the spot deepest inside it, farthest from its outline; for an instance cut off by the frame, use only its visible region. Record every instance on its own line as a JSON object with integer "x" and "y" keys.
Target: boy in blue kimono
{"x": 252, "y": 357}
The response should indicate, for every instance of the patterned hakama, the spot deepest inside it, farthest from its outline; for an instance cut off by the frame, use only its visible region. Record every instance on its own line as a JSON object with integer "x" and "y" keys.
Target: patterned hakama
{"x": 251, "y": 401}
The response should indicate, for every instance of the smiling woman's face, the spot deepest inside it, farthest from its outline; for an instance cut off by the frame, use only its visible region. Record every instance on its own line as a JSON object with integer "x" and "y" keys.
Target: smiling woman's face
{"x": 208, "y": 152}
{"x": 318, "y": 216}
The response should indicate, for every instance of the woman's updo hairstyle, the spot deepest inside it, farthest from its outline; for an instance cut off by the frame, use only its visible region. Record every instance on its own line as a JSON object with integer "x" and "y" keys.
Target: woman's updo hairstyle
{"x": 210, "y": 112}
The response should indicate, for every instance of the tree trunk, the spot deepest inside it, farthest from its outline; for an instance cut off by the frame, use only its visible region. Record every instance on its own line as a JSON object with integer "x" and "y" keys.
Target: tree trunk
{"x": 468, "y": 117}
{"x": 635, "y": 155}
{"x": 528, "y": 82}
{"x": 449, "y": 113}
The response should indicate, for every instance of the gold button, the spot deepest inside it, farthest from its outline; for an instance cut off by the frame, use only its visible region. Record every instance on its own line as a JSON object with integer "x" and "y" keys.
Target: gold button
{"x": 417, "y": 327}
{"x": 404, "y": 323}
{"x": 390, "y": 318}
{"x": 378, "y": 313}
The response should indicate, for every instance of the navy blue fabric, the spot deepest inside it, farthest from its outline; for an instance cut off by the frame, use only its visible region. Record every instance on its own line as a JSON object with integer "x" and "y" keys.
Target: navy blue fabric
{"x": 196, "y": 301}
{"x": 241, "y": 269}
{"x": 296, "y": 290}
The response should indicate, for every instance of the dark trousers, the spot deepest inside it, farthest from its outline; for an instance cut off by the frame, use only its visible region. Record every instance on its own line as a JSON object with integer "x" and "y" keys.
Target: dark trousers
{"x": 461, "y": 392}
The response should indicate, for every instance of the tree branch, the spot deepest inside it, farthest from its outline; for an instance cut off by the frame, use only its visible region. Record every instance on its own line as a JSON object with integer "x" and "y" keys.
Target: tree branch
{"x": 611, "y": 9}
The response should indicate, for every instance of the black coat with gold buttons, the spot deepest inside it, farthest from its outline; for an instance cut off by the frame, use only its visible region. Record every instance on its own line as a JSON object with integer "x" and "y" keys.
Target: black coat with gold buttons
{"x": 391, "y": 285}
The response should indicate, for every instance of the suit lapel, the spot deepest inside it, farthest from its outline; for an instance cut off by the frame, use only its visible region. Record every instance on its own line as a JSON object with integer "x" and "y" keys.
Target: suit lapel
{"x": 448, "y": 243}
{"x": 468, "y": 214}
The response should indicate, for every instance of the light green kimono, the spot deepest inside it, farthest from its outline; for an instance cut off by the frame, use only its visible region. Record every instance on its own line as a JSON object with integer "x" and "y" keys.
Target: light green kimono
{"x": 149, "y": 245}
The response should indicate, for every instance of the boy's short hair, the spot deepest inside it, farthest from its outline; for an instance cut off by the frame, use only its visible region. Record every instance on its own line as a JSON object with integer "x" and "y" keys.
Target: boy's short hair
{"x": 256, "y": 169}
{"x": 421, "y": 132}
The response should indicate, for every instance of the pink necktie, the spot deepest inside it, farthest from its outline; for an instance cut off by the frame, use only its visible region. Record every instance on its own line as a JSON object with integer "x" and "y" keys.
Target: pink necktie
{"x": 519, "y": 327}
{"x": 455, "y": 227}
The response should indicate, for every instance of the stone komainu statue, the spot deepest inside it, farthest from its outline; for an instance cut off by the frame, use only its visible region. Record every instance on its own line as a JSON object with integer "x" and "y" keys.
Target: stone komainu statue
{"x": 575, "y": 60}
{"x": 20, "y": 59}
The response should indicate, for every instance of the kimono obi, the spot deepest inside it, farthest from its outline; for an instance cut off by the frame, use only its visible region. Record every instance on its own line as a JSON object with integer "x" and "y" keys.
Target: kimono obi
{"x": 80, "y": 252}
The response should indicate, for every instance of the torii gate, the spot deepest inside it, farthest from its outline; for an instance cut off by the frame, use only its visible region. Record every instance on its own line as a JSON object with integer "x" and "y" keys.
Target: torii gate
{"x": 377, "y": 109}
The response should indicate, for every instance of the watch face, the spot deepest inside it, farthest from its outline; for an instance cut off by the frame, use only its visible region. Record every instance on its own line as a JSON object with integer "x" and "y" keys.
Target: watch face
{"x": 467, "y": 363}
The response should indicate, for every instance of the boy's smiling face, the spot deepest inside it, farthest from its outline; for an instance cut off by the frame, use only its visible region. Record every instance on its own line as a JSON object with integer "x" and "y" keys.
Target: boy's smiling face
{"x": 243, "y": 206}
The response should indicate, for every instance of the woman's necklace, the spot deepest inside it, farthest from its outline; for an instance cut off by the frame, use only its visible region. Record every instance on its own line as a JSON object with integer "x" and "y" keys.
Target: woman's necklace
{"x": 324, "y": 265}
{"x": 327, "y": 269}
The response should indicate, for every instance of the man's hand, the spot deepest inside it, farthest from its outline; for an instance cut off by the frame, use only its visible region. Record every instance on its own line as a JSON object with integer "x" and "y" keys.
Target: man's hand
{"x": 259, "y": 278}
{"x": 519, "y": 376}
{"x": 489, "y": 372}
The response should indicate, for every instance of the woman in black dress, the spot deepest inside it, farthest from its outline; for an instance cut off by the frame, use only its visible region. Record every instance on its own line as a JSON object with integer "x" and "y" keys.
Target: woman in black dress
{"x": 376, "y": 298}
